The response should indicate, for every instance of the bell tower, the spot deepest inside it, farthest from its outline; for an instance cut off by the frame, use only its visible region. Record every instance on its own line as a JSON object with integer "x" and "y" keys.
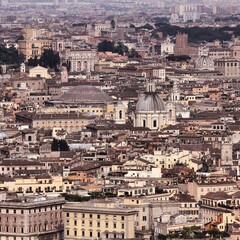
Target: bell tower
{"x": 175, "y": 94}
{"x": 120, "y": 113}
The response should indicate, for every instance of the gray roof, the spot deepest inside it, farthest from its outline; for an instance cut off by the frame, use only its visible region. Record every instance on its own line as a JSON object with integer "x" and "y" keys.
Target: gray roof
{"x": 149, "y": 102}
{"x": 85, "y": 94}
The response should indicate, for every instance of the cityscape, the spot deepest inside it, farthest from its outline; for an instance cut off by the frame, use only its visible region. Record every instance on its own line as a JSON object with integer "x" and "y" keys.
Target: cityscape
{"x": 119, "y": 119}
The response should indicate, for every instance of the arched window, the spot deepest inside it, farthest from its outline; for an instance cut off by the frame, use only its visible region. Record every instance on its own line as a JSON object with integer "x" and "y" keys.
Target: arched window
{"x": 144, "y": 123}
{"x": 120, "y": 114}
{"x": 154, "y": 123}
{"x": 170, "y": 114}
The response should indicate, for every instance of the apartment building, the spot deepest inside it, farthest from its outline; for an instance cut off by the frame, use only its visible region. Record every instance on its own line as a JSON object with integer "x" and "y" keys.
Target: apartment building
{"x": 98, "y": 220}
{"x": 35, "y": 217}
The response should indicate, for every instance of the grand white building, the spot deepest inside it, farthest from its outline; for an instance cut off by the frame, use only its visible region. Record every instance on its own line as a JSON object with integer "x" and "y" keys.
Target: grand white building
{"x": 152, "y": 112}
{"x": 80, "y": 59}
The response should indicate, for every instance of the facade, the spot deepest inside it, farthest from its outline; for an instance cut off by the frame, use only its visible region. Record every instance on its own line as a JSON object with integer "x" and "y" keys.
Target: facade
{"x": 228, "y": 67}
{"x": 98, "y": 220}
{"x": 32, "y": 48}
{"x": 36, "y": 184}
{"x": 181, "y": 47}
{"x": 167, "y": 47}
{"x": 37, "y": 218}
{"x": 201, "y": 187}
{"x": 71, "y": 122}
{"x": 39, "y": 72}
{"x": 151, "y": 111}
{"x": 80, "y": 59}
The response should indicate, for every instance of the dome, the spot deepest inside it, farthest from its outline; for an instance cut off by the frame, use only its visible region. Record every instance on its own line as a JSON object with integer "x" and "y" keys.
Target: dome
{"x": 205, "y": 62}
{"x": 150, "y": 102}
{"x": 85, "y": 94}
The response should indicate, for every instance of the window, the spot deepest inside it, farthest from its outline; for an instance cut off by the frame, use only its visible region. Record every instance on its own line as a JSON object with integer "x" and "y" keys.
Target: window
{"x": 90, "y": 234}
{"x": 114, "y": 225}
{"x": 154, "y": 123}
{"x": 98, "y": 224}
{"x": 144, "y": 123}
{"x": 75, "y": 222}
{"x": 83, "y": 233}
{"x": 67, "y": 214}
{"x": 99, "y": 234}
{"x": 90, "y": 215}
{"x": 106, "y": 224}
{"x": 75, "y": 232}
{"x": 67, "y": 232}
{"x": 98, "y": 216}
{"x": 122, "y": 225}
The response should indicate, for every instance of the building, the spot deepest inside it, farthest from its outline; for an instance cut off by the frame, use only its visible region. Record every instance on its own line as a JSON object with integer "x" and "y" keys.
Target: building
{"x": 84, "y": 99}
{"x": 71, "y": 122}
{"x": 80, "y": 59}
{"x": 35, "y": 217}
{"x": 228, "y": 67}
{"x": 151, "y": 111}
{"x": 198, "y": 188}
{"x": 98, "y": 220}
{"x": 32, "y": 48}
{"x": 181, "y": 47}
{"x": 167, "y": 47}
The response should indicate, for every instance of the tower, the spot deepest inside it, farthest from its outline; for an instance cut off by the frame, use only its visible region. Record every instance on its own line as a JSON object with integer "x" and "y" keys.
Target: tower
{"x": 175, "y": 94}
{"x": 120, "y": 113}
{"x": 226, "y": 152}
{"x": 64, "y": 74}
{"x": 22, "y": 68}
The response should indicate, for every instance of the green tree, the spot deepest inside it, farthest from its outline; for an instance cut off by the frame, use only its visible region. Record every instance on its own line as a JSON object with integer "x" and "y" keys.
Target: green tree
{"x": 55, "y": 145}
{"x": 63, "y": 145}
{"x": 10, "y": 55}
{"x": 113, "y": 24}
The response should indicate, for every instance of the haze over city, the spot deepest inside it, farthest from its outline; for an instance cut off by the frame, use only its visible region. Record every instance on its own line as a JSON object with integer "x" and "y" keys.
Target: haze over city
{"x": 119, "y": 119}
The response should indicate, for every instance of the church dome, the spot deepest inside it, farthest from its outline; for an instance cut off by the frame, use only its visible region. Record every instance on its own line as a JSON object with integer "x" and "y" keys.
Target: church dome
{"x": 204, "y": 62}
{"x": 85, "y": 94}
{"x": 150, "y": 102}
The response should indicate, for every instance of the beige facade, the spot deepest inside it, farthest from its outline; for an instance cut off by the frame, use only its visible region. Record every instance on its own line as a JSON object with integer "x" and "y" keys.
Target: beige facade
{"x": 39, "y": 72}
{"x": 228, "y": 67}
{"x": 98, "y": 220}
{"x": 34, "y": 47}
{"x": 35, "y": 218}
{"x": 70, "y": 122}
{"x": 32, "y": 185}
{"x": 199, "y": 188}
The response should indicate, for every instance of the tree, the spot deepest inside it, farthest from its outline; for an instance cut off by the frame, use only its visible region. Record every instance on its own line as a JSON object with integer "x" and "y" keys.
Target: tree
{"x": 10, "y": 55}
{"x": 133, "y": 54}
{"x": 55, "y": 145}
{"x": 147, "y": 26}
{"x": 49, "y": 58}
{"x": 108, "y": 46}
{"x": 63, "y": 145}
{"x": 113, "y": 24}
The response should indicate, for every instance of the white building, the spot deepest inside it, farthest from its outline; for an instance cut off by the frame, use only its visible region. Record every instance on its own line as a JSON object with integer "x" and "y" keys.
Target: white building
{"x": 167, "y": 47}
